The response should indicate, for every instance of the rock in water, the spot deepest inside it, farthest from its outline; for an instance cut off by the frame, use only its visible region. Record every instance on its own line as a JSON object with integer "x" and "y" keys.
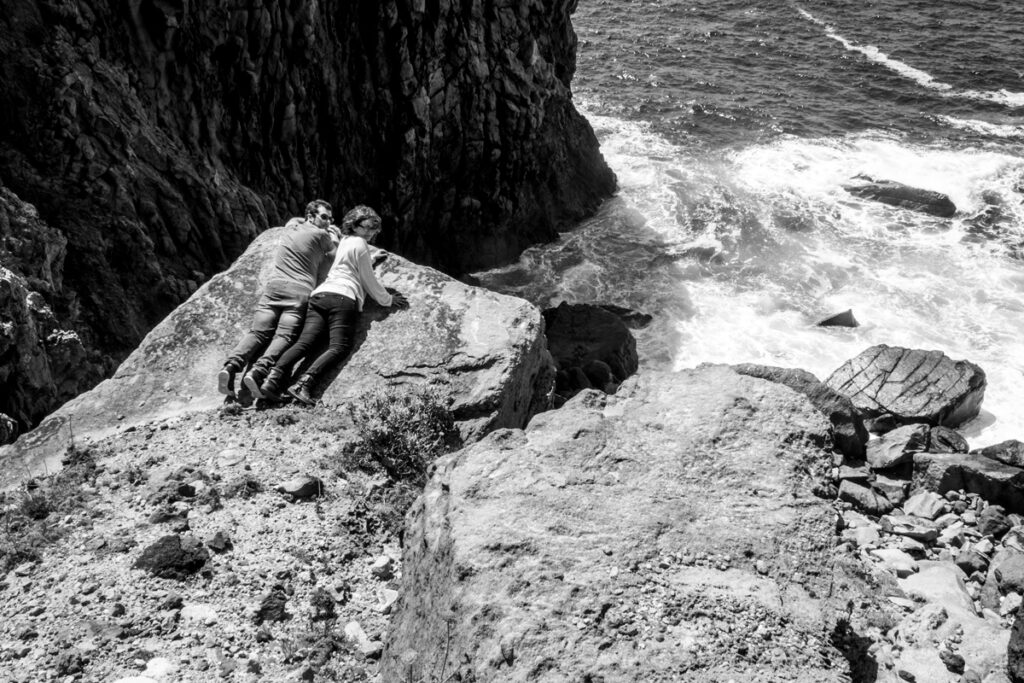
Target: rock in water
{"x": 891, "y": 385}
{"x": 580, "y": 334}
{"x": 905, "y": 196}
{"x": 848, "y": 430}
{"x": 533, "y": 548}
{"x": 844, "y": 319}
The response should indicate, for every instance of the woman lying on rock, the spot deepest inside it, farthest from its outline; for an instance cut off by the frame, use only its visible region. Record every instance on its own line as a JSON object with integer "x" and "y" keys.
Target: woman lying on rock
{"x": 334, "y": 307}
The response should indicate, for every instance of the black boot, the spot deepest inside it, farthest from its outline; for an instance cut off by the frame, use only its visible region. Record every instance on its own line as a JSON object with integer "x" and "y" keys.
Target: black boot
{"x": 271, "y": 387}
{"x": 226, "y": 378}
{"x": 254, "y": 380}
{"x": 300, "y": 390}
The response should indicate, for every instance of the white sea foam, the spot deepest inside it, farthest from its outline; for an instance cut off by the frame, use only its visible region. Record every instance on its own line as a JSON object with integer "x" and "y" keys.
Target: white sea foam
{"x": 909, "y": 278}
{"x": 923, "y": 78}
{"x": 998, "y": 130}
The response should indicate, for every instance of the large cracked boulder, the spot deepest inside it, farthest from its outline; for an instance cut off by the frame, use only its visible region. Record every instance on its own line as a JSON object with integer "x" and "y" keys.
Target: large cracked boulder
{"x": 848, "y": 430}
{"x": 485, "y": 349}
{"x": 892, "y": 386}
{"x": 904, "y": 196}
{"x": 667, "y": 532}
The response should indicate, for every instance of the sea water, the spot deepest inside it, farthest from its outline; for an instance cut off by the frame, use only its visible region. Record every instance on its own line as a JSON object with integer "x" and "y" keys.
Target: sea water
{"x": 732, "y": 127}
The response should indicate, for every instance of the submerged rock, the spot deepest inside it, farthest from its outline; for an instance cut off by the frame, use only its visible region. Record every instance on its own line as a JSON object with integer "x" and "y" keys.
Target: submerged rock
{"x": 891, "y": 386}
{"x": 844, "y": 319}
{"x": 689, "y": 490}
{"x": 905, "y": 196}
{"x": 591, "y": 346}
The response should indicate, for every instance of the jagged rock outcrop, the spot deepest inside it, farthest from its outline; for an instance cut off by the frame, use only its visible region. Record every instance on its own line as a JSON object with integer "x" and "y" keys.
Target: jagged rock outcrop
{"x": 667, "y": 530}
{"x": 848, "y": 432}
{"x": 157, "y": 140}
{"x": 905, "y": 196}
{"x": 891, "y": 386}
{"x": 486, "y": 349}
{"x": 42, "y": 362}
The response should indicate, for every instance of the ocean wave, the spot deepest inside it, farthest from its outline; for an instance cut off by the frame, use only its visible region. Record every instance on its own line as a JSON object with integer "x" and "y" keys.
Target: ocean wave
{"x": 923, "y": 78}
{"x": 997, "y": 130}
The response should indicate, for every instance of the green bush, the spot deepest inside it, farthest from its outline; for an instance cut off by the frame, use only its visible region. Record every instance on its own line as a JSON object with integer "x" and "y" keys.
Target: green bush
{"x": 402, "y": 431}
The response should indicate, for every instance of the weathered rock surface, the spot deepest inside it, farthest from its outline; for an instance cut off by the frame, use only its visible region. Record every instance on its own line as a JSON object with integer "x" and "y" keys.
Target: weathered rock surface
{"x": 160, "y": 139}
{"x": 666, "y": 530}
{"x": 897, "y": 447}
{"x": 1009, "y": 452}
{"x": 864, "y": 498}
{"x": 487, "y": 349}
{"x": 891, "y": 386}
{"x": 44, "y": 360}
{"x": 905, "y": 196}
{"x": 947, "y": 620}
{"x": 848, "y": 430}
{"x": 992, "y": 480}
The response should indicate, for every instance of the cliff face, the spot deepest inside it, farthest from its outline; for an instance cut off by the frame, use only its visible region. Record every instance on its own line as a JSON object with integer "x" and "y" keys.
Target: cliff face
{"x": 156, "y": 140}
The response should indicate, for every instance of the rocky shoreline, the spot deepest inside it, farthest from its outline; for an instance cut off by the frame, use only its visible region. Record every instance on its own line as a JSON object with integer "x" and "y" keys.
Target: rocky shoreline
{"x": 714, "y": 523}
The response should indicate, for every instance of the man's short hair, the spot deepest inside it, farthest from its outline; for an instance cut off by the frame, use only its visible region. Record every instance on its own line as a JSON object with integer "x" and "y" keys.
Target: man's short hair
{"x": 356, "y": 216}
{"x": 312, "y": 207}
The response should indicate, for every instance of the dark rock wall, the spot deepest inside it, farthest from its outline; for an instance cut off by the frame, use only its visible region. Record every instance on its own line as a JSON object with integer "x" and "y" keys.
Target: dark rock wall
{"x": 156, "y": 138}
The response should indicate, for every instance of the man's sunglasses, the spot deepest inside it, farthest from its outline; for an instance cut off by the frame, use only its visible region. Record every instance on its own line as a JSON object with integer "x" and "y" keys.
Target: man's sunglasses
{"x": 324, "y": 216}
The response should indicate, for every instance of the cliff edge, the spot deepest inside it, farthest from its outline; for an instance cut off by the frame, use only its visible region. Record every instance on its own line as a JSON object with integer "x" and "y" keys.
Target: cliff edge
{"x": 142, "y": 149}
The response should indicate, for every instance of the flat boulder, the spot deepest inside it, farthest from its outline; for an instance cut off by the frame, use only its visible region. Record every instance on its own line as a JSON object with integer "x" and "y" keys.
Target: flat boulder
{"x": 903, "y": 196}
{"x": 891, "y": 386}
{"x": 485, "y": 349}
{"x": 897, "y": 447}
{"x": 532, "y": 555}
{"x": 848, "y": 431}
{"x": 994, "y": 481}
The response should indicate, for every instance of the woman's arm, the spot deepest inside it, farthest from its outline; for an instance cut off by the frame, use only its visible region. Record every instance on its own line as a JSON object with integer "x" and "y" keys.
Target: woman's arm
{"x": 367, "y": 278}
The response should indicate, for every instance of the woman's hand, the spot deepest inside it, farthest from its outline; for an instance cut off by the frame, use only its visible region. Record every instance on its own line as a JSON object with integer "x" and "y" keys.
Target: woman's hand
{"x": 398, "y": 300}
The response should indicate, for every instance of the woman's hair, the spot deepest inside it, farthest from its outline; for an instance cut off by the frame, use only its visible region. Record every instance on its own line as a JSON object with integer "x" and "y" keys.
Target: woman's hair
{"x": 356, "y": 216}
{"x": 312, "y": 207}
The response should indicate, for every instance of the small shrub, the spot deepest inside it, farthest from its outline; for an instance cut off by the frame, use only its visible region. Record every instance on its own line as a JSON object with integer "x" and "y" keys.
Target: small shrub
{"x": 401, "y": 431}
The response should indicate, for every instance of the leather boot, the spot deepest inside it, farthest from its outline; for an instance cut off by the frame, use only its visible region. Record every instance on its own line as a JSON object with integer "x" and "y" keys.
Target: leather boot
{"x": 226, "y": 378}
{"x": 300, "y": 390}
{"x": 270, "y": 389}
{"x": 254, "y": 379}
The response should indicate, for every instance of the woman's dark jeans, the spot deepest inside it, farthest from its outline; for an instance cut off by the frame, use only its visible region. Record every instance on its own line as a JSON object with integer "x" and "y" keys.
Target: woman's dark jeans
{"x": 339, "y": 316}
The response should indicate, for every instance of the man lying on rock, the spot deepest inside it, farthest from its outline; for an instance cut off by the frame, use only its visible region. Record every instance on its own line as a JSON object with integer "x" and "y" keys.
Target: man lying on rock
{"x": 299, "y": 261}
{"x": 334, "y": 308}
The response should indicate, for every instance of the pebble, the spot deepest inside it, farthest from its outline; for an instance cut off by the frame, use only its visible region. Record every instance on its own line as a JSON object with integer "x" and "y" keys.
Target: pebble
{"x": 383, "y": 568}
